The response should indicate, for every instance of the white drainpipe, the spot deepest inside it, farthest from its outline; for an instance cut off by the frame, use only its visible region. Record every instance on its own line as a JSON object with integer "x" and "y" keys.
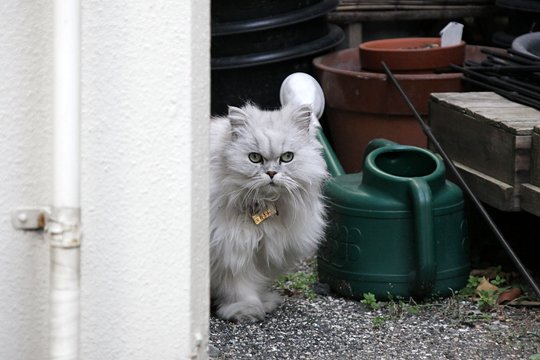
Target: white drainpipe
{"x": 63, "y": 224}
{"x": 61, "y": 221}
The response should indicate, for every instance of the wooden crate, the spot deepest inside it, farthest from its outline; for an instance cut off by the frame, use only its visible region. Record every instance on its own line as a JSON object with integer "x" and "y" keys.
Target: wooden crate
{"x": 535, "y": 156}
{"x": 489, "y": 139}
{"x": 530, "y": 192}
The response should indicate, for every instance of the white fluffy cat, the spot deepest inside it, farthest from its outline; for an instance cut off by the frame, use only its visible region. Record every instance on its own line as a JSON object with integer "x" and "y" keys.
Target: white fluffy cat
{"x": 266, "y": 167}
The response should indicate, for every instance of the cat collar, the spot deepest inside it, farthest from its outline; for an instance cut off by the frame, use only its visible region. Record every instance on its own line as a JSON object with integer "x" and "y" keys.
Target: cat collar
{"x": 260, "y": 217}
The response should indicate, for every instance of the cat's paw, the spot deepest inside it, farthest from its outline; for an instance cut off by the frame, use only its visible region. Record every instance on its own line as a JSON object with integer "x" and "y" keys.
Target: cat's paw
{"x": 271, "y": 301}
{"x": 242, "y": 311}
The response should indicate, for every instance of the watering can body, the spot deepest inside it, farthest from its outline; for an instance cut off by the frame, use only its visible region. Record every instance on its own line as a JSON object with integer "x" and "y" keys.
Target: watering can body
{"x": 395, "y": 229}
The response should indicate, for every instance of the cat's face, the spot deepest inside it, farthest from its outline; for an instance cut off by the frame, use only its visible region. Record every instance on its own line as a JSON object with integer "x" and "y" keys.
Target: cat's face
{"x": 269, "y": 166}
{"x": 273, "y": 152}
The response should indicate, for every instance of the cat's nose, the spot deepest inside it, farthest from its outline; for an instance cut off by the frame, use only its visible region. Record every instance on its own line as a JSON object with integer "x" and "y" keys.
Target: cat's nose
{"x": 271, "y": 174}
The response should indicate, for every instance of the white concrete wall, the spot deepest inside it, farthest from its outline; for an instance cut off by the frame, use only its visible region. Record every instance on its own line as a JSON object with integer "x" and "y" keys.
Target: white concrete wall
{"x": 145, "y": 109}
{"x": 25, "y": 173}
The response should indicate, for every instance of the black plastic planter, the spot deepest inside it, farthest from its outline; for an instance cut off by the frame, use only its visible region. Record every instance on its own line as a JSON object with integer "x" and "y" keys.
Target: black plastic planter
{"x": 523, "y": 17}
{"x": 254, "y": 48}
{"x": 528, "y": 44}
{"x": 522, "y": 5}
{"x": 333, "y": 36}
{"x": 232, "y": 17}
{"x": 258, "y": 77}
{"x": 268, "y": 40}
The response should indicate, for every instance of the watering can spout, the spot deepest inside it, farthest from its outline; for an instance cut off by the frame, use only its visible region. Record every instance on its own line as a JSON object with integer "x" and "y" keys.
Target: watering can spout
{"x": 332, "y": 162}
{"x": 300, "y": 89}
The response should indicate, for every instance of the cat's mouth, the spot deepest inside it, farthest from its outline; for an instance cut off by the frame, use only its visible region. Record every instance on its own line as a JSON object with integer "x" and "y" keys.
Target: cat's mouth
{"x": 273, "y": 186}
{"x": 270, "y": 190}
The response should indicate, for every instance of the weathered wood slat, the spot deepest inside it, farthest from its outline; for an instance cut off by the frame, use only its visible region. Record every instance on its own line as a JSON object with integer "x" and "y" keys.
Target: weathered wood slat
{"x": 535, "y": 157}
{"x": 413, "y": 2}
{"x": 491, "y": 139}
{"x": 494, "y": 110}
{"x": 473, "y": 139}
{"x": 378, "y": 4}
{"x": 350, "y": 15}
{"x": 530, "y": 198}
{"x": 494, "y": 192}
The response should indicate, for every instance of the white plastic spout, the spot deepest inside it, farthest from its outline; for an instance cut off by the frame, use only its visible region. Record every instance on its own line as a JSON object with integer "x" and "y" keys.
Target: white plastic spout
{"x": 302, "y": 89}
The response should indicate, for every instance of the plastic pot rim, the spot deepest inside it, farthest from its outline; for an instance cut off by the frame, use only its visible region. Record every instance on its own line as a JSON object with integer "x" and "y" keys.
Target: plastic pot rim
{"x": 334, "y": 37}
{"x": 269, "y": 22}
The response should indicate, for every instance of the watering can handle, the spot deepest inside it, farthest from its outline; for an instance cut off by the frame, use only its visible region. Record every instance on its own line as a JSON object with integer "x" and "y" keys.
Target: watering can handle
{"x": 425, "y": 242}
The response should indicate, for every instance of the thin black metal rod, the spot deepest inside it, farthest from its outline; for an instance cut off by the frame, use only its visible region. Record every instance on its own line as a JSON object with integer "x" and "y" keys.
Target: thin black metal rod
{"x": 466, "y": 187}
{"x": 498, "y": 82}
{"x": 472, "y": 63}
{"x": 523, "y": 55}
{"x": 509, "y": 74}
{"x": 507, "y": 94}
{"x": 519, "y": 82}
{"x": 506, "y": 69}
{"x": 515, "y": 59}
{"x": 497, "y": 61}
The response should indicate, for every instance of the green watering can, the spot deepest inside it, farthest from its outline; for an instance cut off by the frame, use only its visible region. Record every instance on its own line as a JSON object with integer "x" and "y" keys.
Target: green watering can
{"x": 397, "y": 228}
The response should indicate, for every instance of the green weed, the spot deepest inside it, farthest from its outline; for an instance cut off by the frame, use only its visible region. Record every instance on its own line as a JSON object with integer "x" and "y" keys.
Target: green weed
{"x": 378, "y": 321}
{"x": 298, "y": 283}
{"x": 485, "y": 299}
{"x": 370, "y": 301}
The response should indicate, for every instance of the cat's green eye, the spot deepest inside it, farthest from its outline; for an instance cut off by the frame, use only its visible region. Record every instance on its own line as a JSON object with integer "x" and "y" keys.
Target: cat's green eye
{"x": 286, "y": 157}
{"x": 255, "y": 157}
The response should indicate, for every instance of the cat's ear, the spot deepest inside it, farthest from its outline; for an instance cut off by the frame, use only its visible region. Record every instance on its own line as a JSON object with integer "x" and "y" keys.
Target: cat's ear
{"x": 302, "y": 116}
{"x": 236, "y": 116}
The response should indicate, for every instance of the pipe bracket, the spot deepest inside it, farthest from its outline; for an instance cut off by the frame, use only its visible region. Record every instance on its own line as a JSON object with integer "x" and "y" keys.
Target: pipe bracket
{"x": 30, "y": 218}
{"x": 61, "y": 225}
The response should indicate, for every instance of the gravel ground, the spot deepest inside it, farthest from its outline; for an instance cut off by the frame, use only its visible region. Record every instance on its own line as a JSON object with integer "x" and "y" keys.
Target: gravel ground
{"x": 328, "y": 327}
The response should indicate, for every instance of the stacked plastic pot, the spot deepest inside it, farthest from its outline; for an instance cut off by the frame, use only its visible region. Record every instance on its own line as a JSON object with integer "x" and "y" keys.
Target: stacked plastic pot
{"x": 523, "y": 17}
{"x": 257, "y": 44}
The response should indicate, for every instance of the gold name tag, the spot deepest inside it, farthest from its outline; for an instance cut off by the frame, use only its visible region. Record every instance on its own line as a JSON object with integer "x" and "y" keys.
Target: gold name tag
{"x": 259, "y": 218}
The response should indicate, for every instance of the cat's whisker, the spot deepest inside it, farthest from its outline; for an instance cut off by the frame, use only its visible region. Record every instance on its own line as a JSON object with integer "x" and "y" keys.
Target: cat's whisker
{"x": 246, "y": 202}
{"x": 231, "y": 197}
{"x": 297, "y": 203}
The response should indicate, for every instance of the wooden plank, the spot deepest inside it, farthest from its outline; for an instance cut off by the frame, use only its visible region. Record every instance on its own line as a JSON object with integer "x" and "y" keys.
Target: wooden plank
{"x": 471, "y": 141}
{"x": 479, "y": 99}
{"x": 495, "y": 144}
{"x": 535, "y": 157}
{"x": 490, "y": 190}
{"x": 353, "y": 34}
{"x": 494, "y": 109}
{"x": 530, "y": 198}
{"x": 413, "y": 2}
{"x": 409, "y": 7}
{"x": 353, "y": 14}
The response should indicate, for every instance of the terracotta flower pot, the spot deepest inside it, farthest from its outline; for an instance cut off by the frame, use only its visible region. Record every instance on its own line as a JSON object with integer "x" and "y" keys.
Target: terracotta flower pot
{"x": 362, "y": 105}
{"x": 404, "y": 55}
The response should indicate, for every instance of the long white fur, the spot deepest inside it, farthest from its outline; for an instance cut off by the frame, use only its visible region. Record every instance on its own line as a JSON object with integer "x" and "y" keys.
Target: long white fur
{"x": 246, "y": 258}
